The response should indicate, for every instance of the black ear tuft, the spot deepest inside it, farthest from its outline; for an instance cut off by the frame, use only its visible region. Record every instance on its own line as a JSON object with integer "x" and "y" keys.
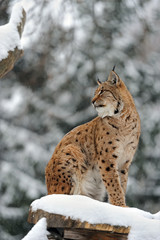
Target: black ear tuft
{"x": 98, "y": 81}
{"x": 113, "y": 68}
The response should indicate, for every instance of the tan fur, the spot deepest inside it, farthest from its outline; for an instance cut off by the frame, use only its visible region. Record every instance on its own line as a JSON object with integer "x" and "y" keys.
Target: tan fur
{"x": 93, "y": 159}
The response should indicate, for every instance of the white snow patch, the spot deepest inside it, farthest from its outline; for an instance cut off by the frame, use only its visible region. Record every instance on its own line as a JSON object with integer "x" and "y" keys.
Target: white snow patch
{"x": 9, "y": 36}
{"x": 99, "y": 8}
{"x": 144, "y": 225}
{"x": 16, "y": 15}
{"x": 13, "y": 104}
{"x": 38, "y": 232}
{"x": 157, "y": 215}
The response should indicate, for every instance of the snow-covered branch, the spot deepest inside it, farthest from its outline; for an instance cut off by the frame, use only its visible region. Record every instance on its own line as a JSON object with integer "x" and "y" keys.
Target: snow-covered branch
{"x": 10, "y": 34}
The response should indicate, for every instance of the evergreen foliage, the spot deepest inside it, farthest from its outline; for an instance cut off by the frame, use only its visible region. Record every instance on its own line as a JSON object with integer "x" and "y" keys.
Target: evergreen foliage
{"x": 66, "y": 45}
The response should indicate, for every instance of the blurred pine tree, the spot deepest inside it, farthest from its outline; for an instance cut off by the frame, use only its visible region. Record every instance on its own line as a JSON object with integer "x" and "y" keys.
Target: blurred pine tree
{"x": 67, "y": 44}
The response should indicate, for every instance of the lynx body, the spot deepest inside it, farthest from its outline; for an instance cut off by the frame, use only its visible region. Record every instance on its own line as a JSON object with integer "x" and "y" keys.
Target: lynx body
{"x": 93, "y": 159}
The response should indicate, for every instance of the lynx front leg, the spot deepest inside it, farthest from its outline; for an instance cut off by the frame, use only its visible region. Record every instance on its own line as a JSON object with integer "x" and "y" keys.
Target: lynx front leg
{"x": 111, "y": 179}
{"x": 124, "y": 174}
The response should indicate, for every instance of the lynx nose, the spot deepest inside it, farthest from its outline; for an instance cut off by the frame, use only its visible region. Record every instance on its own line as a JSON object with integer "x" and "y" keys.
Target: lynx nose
{"x": 94, "y": 103}
{"x": 93, "y": 100}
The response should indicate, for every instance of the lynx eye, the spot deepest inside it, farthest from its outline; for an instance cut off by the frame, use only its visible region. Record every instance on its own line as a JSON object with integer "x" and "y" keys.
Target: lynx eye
{"x": 101, "y": 91}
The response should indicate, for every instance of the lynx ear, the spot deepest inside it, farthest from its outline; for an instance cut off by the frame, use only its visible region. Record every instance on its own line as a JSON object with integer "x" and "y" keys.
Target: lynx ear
{"x": 113, "y": 78}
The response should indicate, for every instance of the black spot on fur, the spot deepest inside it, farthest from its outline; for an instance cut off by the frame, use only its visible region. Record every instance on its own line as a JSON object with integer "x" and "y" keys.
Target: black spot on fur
{"x": 115, "y": 156}
{"x": 108, "y": 169}
{"x": 82, "y": 150}
{"x": 116, "y": 111}
{"x": 86, "y": 162}
{"x": 114, "y": 126}
{"x": 123, "y": 171}
{"x": 128, "y": 117}
{"x": 134, "y": 126}
{"x": 84, "y": 167}
{"x": 110, "y": 142}
{"x": 75, "y": 166}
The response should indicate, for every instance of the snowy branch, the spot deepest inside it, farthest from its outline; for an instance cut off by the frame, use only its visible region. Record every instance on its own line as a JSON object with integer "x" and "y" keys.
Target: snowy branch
{"x": 10, "y": 45}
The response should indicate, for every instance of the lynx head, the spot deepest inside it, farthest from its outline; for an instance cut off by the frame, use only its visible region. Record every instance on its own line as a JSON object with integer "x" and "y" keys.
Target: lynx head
{"x": 111, "y": 96}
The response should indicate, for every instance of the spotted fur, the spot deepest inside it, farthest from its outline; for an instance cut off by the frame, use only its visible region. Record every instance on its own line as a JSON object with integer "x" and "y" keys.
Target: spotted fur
{"x": 93, "y": 159}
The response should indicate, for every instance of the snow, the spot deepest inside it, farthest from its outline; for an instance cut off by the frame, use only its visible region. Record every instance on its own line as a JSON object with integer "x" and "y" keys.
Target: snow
{"x": 38, "y": 232}
{"x": 16, "y": 15}
{"x": 144, "y": 225}
{"x": 9, "y": 36}
{"x": 37, "y": 120}
{"x": 13, "y": 104}
{"x": 157, "y": 215}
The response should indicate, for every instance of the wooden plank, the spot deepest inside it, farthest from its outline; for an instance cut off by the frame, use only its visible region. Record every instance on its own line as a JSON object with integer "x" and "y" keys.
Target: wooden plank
{"x": 83, "y": 234}
{"x": 55, "y": 234}
{"x": 59, "y": 221}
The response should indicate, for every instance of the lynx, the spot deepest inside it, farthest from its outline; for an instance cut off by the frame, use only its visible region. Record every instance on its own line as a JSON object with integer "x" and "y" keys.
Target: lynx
{"x": 94, "y": 158}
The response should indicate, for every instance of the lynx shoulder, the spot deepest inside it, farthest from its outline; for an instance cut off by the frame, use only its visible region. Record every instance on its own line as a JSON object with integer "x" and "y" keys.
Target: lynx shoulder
{"x": 94, "y": 158}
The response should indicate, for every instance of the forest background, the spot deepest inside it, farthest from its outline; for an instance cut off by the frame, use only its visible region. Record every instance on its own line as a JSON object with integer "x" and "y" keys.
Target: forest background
{"x": 49, "y": 91}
